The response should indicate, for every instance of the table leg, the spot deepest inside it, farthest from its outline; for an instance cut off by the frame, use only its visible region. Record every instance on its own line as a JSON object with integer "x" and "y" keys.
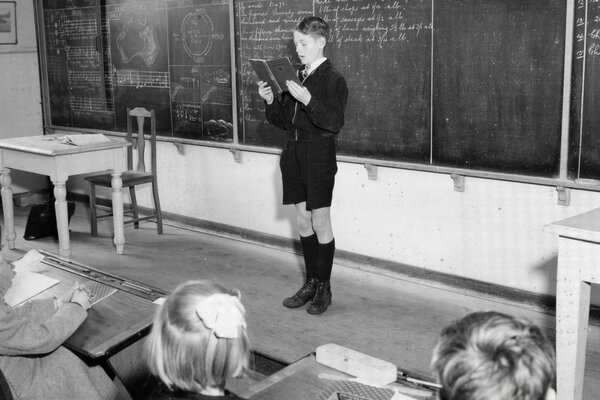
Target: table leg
{"x": 572, "y": 317}
{"x": 7, "y": 207}
{"x": 117, "y": 209}
{"x": 62, "y": 218}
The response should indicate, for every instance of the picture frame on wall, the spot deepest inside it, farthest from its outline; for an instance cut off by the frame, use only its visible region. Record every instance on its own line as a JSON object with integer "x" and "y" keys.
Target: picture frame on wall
{"x": 8, "y": 22}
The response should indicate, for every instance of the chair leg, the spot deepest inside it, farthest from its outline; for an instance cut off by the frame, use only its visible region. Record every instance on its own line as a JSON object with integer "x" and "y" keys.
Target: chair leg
{"x": 159, "y": 226}
{"x": 136, "y": 224}
{"x": 93, "y": 217}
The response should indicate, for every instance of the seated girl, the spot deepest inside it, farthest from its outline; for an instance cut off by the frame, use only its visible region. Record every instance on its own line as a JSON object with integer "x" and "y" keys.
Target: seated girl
{"x": 197, "y": 342}
{"x": 32, "y": 358}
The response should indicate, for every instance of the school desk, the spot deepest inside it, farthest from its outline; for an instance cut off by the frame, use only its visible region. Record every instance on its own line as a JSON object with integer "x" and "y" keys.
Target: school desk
{"x": 307, "y": 379}
{"x": 113, "y": 331}
{"x": 46, "y": 155}
{"x": 578, "y": 268}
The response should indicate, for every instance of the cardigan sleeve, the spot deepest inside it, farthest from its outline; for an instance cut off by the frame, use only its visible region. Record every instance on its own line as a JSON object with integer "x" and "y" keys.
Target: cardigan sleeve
{"x": 37, "y": 310}
{"x": 21, "y": 335}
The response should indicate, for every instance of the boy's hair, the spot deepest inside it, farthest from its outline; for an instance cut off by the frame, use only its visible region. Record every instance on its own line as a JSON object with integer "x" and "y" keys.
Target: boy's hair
{"x": 187, "y": 355}
{"x": 315, "y": 26}
{"x": 490, "y": 355}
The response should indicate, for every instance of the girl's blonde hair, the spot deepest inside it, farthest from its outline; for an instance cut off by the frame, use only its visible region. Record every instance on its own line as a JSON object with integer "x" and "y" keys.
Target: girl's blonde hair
{"x": 189, "y": 353}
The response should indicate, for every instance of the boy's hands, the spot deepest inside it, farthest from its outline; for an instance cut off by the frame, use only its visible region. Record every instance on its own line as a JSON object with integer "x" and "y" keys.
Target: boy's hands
{"x": 265, "y": 92}
{"x": 299, "y": 92}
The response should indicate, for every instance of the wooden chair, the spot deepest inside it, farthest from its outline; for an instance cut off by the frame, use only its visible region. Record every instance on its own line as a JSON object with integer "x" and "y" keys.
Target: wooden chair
{"x": 131, "y": 177}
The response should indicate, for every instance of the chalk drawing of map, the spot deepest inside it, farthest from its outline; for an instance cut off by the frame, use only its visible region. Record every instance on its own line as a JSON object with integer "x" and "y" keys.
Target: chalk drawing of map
{"x": 196, "y": 31}
{"x": 137, "y": 40}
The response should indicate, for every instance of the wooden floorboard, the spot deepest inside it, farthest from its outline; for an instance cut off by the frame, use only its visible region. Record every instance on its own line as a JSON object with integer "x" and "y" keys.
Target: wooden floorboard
{"x": 390, "y": 318}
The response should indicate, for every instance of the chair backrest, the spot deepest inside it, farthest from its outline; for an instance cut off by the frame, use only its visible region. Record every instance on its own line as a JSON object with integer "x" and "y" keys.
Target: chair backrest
{"x": 141, "y": 114}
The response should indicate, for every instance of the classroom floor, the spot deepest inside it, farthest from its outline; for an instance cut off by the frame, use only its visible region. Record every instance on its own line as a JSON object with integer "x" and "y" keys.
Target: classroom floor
{"x": 384, "y": 316}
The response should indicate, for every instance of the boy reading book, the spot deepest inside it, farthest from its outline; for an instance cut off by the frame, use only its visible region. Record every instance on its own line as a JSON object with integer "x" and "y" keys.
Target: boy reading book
{"x": 311, "y": 114}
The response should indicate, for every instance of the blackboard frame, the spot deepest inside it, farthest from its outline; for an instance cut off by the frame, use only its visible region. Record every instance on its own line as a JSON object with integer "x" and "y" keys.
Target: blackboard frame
{"x": 562, "y": 181}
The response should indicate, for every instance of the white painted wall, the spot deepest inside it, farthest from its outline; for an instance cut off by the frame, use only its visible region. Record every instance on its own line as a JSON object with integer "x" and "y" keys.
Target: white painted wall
{"x": 492, "y": 231}
{"x": 20, "y": 96}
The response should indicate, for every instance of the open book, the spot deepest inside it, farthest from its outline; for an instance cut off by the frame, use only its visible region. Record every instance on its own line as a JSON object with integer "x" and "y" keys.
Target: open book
{"x": 275, "y": 72}
{"x": 86, "y": 139}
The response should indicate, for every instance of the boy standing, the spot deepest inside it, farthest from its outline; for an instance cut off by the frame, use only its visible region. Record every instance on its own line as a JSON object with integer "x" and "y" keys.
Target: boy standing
{"x": 312, "y": 114}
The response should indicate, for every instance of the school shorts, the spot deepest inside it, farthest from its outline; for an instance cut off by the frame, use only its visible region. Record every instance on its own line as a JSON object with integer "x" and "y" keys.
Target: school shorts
{"x": 308, "y": 172}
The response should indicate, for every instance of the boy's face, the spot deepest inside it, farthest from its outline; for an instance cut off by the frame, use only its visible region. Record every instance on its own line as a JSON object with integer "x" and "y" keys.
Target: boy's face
{"x": 309, "y": 47}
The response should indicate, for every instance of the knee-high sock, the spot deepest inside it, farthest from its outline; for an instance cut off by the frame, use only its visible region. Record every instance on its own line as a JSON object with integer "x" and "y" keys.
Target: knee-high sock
{"x": 326, "y": 260}
{"x": 310, "y": 251}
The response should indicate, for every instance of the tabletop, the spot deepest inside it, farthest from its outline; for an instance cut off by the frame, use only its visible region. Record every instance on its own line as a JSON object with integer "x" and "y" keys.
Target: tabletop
{"x": 584, "y": 226}
{"x": 52, "y": 145}
{"x": 111, "y": 324}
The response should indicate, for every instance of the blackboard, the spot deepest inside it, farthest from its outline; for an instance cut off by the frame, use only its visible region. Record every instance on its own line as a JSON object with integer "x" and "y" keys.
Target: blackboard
{"x": 587, "y": 164}
{"x": 103, "y": 57}
{"x": 383, "y": 49}
{"x": 474, "y": 84}
{"x": 498, "y": 73}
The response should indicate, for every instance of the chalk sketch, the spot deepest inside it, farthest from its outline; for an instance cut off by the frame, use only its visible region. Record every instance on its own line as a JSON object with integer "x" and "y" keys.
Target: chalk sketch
{"x": 137, "y": 40}
{"x": 196, "y": 31}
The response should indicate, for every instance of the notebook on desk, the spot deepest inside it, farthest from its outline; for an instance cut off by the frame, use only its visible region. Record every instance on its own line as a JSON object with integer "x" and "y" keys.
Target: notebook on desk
{"x": 98, "y": 291}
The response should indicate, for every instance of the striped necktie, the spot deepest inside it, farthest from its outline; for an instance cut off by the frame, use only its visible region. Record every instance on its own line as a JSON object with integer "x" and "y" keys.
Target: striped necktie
{"x": 305, "y": 71}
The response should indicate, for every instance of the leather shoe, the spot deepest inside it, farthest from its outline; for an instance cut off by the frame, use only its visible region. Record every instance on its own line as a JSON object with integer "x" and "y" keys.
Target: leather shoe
{"x": 302, "y": 296}
{"x": 322, "y": 298}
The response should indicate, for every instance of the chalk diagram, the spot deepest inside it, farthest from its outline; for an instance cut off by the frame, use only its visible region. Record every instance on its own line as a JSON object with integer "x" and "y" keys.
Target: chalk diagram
{"x": 137, "y": 40}
{"x": 196, "y": 31}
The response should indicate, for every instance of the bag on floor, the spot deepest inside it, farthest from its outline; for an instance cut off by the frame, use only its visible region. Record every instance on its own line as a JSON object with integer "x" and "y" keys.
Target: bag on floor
{"x": 42, "y": 220}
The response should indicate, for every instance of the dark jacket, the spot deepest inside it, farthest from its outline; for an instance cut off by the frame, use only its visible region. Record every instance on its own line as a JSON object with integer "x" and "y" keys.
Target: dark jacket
{"x": 322, "y": 117}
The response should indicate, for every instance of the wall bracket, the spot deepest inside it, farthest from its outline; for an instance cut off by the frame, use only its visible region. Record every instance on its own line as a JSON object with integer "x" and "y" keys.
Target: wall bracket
{"x": 237, "y": 155}
{"x": 459, "y": 182}
{"x": 180, "y": 148}
{"x": 564, "y": 196}
{"x": 371, "y": 171}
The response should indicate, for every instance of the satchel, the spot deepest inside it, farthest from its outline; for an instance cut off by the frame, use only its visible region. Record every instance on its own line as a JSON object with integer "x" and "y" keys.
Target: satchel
{"x": 42, "y": 220}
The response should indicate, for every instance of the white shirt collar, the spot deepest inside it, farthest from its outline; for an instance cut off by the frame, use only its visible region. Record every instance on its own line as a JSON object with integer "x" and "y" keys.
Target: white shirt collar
{"x": 316, "y": 64}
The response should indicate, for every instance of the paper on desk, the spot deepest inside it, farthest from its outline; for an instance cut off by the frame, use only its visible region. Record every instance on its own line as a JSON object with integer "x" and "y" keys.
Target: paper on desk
{"x": 26, "y": 286}
{"x": 30, "y": 262}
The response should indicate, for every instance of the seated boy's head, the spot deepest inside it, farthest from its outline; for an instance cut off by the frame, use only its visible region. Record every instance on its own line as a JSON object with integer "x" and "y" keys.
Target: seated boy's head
{"x": 199, "y": 339}
{"x": 490, "y": 355}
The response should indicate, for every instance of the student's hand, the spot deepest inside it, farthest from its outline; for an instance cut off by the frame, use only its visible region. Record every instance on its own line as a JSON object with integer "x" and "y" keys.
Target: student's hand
{"x": 81, "y": 297}
{"x": 299, "y": 92}
{"x": 265, "y": 92}
{"x": 76, "y": 294}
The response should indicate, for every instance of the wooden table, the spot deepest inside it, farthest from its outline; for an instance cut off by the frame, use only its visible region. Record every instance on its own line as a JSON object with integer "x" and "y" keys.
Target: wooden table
{"x": 114, "y": 330}
{"x": 578, "y": 268}
{"x": 46, "y": 156}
